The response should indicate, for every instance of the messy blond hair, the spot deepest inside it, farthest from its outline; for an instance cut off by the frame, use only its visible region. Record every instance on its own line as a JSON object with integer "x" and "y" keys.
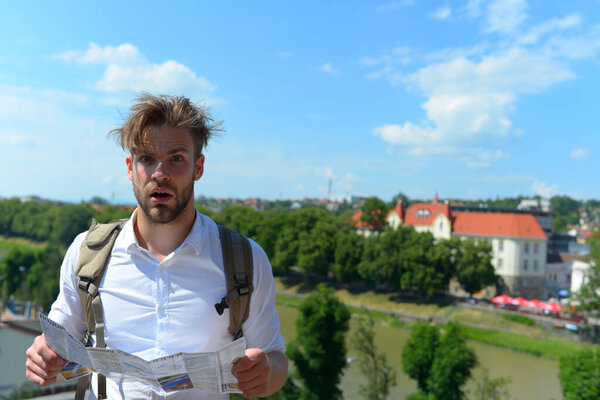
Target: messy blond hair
{"x": 165, "y": 110}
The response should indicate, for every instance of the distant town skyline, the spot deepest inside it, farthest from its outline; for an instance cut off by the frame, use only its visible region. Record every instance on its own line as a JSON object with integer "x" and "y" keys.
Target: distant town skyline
{"x": 471, "y": 99}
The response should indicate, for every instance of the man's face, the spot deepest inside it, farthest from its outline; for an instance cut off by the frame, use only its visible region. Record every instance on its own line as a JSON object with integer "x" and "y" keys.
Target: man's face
{"x": 163, "y": 173}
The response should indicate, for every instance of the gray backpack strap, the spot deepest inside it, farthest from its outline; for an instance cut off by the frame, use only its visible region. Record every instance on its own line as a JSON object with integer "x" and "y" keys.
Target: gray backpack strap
{"x": 239, "y": 271}
{"x": 93, "y": 258}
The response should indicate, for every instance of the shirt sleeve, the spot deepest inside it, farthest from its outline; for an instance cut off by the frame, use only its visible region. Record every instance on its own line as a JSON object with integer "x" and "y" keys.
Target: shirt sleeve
{"x": 66, "y": 309}
{"x": 262, "y": 329}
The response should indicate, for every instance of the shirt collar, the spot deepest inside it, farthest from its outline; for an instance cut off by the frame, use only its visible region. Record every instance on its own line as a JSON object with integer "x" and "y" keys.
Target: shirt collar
{"x": 195, "y": 239}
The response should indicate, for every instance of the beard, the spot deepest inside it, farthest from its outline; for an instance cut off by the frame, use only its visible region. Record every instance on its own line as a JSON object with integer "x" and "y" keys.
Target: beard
{"x": 162, "y": 213}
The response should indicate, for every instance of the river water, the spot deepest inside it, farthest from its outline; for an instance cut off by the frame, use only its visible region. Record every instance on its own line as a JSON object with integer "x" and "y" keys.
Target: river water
{"x": 533, "y": 378}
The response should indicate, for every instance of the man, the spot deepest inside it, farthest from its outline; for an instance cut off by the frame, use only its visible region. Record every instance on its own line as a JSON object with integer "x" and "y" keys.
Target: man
{"x": 165, "y": 273}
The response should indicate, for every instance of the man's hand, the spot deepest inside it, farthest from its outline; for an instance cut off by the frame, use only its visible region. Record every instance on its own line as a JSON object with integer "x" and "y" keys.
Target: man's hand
{"x": 43, "y": 364}
{"x": 259, "y": 373}
{"x": 252, "y": 372}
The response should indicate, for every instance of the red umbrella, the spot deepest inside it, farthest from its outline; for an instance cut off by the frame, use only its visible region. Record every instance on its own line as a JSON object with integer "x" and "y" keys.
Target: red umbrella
{"x": 502, "y": 299}
{"x": 551, "y": 307}
{"x": 535, "y": 303}
{"x": 519, "y": 301}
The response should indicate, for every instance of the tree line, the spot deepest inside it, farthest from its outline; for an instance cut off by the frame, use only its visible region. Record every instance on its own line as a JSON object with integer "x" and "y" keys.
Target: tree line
{"x": 310, "y": 240}
{"x": 320, "y": 244}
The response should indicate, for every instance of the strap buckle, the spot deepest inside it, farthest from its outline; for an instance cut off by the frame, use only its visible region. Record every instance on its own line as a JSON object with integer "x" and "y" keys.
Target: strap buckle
{"x": 221, "y": 306}
{"x": 242, "y": 284}
{"x": 84, "y": 284}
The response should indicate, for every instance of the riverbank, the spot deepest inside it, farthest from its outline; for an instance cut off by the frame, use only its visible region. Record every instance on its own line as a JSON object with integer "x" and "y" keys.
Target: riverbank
{"x": 480, "y": 323}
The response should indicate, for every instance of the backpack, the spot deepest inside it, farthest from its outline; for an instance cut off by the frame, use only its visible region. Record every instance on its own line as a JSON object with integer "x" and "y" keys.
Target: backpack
{"x": 94, "y": 256}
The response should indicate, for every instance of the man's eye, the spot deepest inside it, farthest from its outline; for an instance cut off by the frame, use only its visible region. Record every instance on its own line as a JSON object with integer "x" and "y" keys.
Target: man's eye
{"x": 145, "y": 159}
{"x": 177, "y": 158}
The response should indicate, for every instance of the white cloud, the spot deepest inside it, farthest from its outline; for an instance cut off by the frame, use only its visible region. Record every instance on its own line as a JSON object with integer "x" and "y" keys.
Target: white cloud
{"x": 329, "y": 69}
{"x": 472, "y": 102}
{"x": 14, "y": 139}
{"x": 471, "y": 93}
{"x": 123, "y": 54}
{"x": 479, "y": 158}
{"x": 128, "y": 70}
{"x": 581, "y": 153}
{"x": 544, "y": 190}
{"x": 441, "y": 13}
{"x": 505, "y": 16}
{"x": 556, "y": 24}
{"x": 325, "y": 172}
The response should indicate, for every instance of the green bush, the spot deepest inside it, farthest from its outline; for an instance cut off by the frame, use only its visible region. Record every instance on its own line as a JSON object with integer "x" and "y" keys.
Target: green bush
{"x": 521, "y": 319}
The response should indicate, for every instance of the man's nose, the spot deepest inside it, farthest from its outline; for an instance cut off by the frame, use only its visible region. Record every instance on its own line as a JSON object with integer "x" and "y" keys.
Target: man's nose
{"x": 160, "y": 174}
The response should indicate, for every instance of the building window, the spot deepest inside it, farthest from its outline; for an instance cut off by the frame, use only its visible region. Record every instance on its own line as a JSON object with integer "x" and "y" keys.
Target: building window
{"x": 499, "y": 263}
{"x": 525, "y": 283}
{"x": 526, "y": 249}
{"x": 525, "y": 265}
{"x": 535, "y": 265}
{"x": 500, "y": 245}
{"x": 534, "y": 283}
{"x": 441, "y": 225}
{"x": 423, "y": 214}
{"x": 535, "y": 248}
{"x": 568, "y": 278}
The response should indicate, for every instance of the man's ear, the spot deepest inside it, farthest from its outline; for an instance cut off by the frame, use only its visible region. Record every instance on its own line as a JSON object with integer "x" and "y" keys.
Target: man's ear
{"x": 199, "y": 167}
{"x": 129, "y": 161}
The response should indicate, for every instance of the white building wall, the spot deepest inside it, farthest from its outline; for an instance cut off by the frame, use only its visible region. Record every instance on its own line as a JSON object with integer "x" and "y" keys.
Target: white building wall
{"x": 394, "y": 221}
{"x": 442, "y": 228}
{"x": 424, "y": 228}
{"x": 578, "y": 275}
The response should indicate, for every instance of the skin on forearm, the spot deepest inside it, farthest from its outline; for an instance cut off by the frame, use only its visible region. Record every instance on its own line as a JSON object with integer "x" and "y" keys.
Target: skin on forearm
{"x": 278, "y": 372}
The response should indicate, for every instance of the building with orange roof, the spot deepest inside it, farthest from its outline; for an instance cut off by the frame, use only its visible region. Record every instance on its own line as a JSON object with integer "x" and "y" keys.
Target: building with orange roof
{"x": 519, "y": 244}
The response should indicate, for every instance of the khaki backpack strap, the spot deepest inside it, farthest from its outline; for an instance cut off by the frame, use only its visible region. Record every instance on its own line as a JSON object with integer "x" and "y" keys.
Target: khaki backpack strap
{"x": 239, "y": 270}
{"x": 93, "y": 258}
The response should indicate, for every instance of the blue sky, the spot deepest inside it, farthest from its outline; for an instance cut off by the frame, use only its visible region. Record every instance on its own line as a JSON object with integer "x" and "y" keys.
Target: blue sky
{"x": 472, "y": 99}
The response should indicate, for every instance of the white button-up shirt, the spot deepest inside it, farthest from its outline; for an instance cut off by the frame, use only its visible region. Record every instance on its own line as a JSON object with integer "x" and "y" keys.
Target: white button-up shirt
{"x": 155, "y": 308}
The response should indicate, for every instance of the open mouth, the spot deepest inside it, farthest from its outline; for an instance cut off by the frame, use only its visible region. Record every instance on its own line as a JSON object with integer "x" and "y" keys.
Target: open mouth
{"x": 160, "y": 195}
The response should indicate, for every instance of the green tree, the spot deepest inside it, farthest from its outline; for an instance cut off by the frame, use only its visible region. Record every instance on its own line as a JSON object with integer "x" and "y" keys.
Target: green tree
{"x": 589, "y": 294}
{"x": 297, "y": 223}
{"x": 441, "y": 364}
{"x": 566, "y": 207}
{"x": 13, "y": 269}
{"x": 419, "y": 351}
{"x": 373, "y": 365}
{"x": 70, "y": 220}
{"x": 407, "y": 260}
{"x": 374, "y": 211}
{"x": 580, "y": 375}
{"x": 400, "y": 197}
{"x": 451, "y": 366}
{"x": 316, "y": 247}
{"x": 348, "y": 254}
{"x": 559, "y": 224}
{"x": 319, "y": 353}
{"x": 488, "y": 388}
{"x": 286, "y": 249}
{"x": 245, "y": 220}
{"x": 474, "y": 269}
{"x": 42, "y": 281}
